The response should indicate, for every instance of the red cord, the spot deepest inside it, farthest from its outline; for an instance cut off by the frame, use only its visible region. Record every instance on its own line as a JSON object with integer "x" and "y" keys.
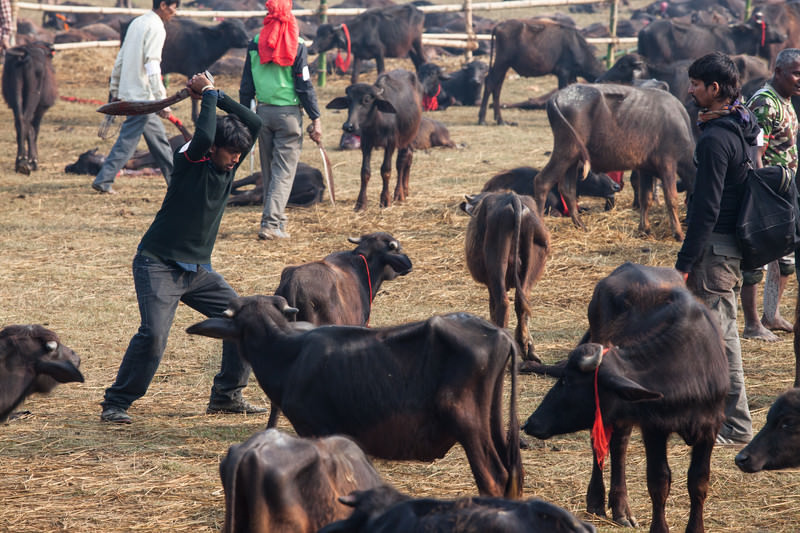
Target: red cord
{"x": 369, "y": 284}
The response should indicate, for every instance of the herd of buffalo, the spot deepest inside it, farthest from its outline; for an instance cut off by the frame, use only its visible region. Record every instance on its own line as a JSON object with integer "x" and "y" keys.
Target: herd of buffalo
{"x": 651, "y": 358}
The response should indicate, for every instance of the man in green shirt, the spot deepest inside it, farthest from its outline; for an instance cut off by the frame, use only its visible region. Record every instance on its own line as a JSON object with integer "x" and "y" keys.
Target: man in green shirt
{"x": 173, "y": 261}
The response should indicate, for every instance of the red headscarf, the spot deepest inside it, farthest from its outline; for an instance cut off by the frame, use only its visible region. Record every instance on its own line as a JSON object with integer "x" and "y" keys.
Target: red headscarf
{"x": 277, "y": 41}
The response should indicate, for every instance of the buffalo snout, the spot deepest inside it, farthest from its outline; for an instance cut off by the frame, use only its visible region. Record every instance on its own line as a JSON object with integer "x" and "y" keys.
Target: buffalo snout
{"x": 746, "y": 462}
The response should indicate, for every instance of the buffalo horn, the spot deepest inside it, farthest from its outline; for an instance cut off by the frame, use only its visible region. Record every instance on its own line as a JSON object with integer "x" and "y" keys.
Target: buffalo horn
{"x": 51, "y": 345}
{"x": 589, "y": 363}
{"x": 354, "y": 240}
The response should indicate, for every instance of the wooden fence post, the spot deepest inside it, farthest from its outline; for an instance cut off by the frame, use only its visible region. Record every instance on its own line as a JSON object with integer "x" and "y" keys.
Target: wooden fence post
{"x": 321, "y": 60}
{"x": 612, "y": 26}
{"x": 470, "y": 30}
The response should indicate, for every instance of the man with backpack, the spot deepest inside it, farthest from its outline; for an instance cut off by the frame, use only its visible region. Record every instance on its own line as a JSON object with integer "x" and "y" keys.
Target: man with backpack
{"x": 710, "y": 257}
{"x": 772, "y": 107}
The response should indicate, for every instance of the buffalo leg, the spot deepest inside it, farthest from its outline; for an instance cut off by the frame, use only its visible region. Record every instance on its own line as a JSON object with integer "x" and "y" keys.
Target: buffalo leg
{"x": 404, "y": 158}
{"x": 274, "y": 413}
{"x": 386, "y": 174}
{"x": 669, "y": 184}
{"x": 697, "y": 480}
{"x": 568, "y": 187}
{"x": 356, "y": 68}
{"x": 33, "y": 148}
{"x": 417, "y": 53}
{"x": 618, "y": 491}
{"x": 645, "y": 201}
{"x": 366, "y": 156}
{"x": 659, "y": 477}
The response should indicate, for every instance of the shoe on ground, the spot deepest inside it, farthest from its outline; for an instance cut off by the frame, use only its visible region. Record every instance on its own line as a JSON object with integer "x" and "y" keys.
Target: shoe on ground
{"x": 270, "y": 234}
{"x": 236, "y": 406}
{"x": 103, "y": 191}
{"x": 115, "y": 415}
{"x": 729, "y": 441}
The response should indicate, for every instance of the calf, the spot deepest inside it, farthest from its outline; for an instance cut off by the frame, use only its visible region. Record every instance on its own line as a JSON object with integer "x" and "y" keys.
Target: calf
{"x": 278, "y": 483}
{"x": 520, "y": 180}
{"x": 393, "y": 31}
{"x": 308, "y": 188}
{"x": 610, "y": 127}
{"x": 32, "y": 359}
{"x": 653, "y": 357}
{"x": 385, "y": 510}
{"x": 432, "y": 133}
{"x": 443, "y": 377}
{"x": 441, "y": 90}
{"x": 536, "y": 48}
{"x": 777, "y": 445}
{"x": 29, "y": 89}
{"x": 385, "y": 115}
{"x": 507, "y": 245}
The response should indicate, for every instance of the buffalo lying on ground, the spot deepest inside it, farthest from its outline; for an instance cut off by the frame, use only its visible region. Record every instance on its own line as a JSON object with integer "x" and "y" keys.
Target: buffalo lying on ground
{"x": 653, "y": 357}
{"x": 29, "y": 89}
{"x": 443, "y": 377}
{"x": 385, "y": 510}
{"x": 506, "y": 246}
{"x": 441, "y": 90}
{"x": 520, "y": 180}
{"x": 609, "y": 127}
{"x": 308, "y": 188}
{"x": 394, "y": 31}
{"x": 278, "y": 483}
{"x": 32, "y": 360}
{"x": 777, "y": 445}
{"x": 536, "y": 48}
{"x": 431, "y": 133}
{"x": 386, "y": 115}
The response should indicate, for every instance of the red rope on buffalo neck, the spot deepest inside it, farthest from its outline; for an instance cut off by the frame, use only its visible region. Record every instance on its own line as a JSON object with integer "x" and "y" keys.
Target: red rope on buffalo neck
{"x": 338, "y": 62}
{"x": 763, "y": 33}
{"x": 601, "y": 434}
{"x": 369, "y": 284}
{"x": 431, "y": 103}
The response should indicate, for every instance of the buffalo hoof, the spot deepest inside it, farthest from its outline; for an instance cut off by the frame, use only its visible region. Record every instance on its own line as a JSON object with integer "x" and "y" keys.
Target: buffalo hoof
{"x": 627, "y": 521}
{"x": 530, "y": 355}
{"x": 529, "y": 367}
{"x": 33, "y": 164}
{"x": 22, "y": 167}
{"x": 610, "y": 203}
{"x": 359, "y": 206}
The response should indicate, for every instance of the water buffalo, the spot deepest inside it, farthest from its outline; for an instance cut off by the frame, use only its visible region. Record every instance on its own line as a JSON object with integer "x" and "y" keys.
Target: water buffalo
{"x": 387, "y": 115}
{"x": 441, "y": 90}
{"x": 278, "y": 483}
{"x": 653, "y": 357}
{"x": 610, "y": 127}
{"x": 506, "y": 246}
{"x": 665, "y": 41}
{"x": 443, "y": 377}
{"x": 394, "y": 31}
{"x": 32, "y": 360}
{"x": 385, "y": 510}
{"x": 29, "y": 89}
{"x": 536, "y": 48}
{"x": 777, "y": 445}
{"x": 308, "y": 188}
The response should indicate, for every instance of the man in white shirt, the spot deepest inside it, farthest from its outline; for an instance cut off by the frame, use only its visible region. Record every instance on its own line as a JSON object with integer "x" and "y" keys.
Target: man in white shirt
{"x": 137, "y": 76}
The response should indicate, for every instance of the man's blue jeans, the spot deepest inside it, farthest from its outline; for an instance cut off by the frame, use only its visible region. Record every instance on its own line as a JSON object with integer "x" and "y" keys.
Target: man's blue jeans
{"x": 159, "y": 289}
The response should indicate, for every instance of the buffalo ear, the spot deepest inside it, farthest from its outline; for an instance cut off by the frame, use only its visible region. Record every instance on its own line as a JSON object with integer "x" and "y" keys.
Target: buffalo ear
{"x": 61, "y": 371}
{"x": 627, "y": 389}
{"x": 340, "y": 102}
{"x": 384, "y": 106}
{"x": 218, "y": 328}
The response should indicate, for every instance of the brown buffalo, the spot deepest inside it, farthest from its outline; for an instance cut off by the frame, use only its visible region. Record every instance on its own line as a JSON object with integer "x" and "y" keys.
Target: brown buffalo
{"x": 507, "y": 245}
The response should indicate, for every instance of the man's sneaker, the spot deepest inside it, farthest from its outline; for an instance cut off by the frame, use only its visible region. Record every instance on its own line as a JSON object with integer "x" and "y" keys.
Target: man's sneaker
{"x": 728, "y": 441}
{"x": 116, "y": 415}
{"x": 239, "y": 405}
{"x": 270, "y": 234}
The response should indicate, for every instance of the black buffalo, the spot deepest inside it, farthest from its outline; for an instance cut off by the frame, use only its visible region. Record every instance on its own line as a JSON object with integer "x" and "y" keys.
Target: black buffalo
{"x": 536, "y": 48}
{"x": 308, "y": 188}
{"x": 609, "y": 127}
{"x": 520, "y": 180}
{"x": 32, "y": 360}
{"x": 394, "y": 31}
{"x": 653, "y": 357}
{"x": 29, "y": 89}
{"x": 777, "y": 445}
{"x": 385, "y": 115}
{"x": 462, "y": 87}
{"x": 443, "y": 377}
{"x": 313, "y": 474}
{"x": 665, "y": 41}
{"x": 385, "y": 510}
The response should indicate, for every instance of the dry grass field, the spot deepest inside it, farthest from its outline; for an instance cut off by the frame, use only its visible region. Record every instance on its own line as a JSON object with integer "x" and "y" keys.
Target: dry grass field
{"x": 65, "y": 258}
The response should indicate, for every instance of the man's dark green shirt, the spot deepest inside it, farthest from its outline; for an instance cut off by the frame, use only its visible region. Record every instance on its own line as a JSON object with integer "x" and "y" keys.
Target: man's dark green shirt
{"x": 185, "y": 227}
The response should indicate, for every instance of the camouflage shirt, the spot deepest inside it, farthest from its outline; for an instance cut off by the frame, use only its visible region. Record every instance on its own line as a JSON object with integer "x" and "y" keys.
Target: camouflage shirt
{"x": 778, "y": 122}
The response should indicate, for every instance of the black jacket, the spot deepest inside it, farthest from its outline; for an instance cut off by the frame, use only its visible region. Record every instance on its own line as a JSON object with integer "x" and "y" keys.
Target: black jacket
{"x": 721, "y": 169}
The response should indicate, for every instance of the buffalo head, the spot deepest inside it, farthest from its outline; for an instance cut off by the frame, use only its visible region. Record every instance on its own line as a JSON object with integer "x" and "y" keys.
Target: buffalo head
{"x": 328, "y": 37}
{"x": 362, "y": 101}
{"x": 569, "y": 405}
{"x": 384, "y": 248}
{"x": 777, "y": 445}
